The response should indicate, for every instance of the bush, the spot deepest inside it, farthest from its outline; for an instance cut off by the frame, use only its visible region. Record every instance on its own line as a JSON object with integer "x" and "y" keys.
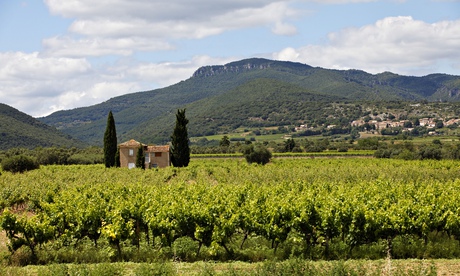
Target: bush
{"x": 257, "y": 154}
{"x": 430, "y": 152}
{"x": 85, "y": 159}
{"x": 20, "y": 163}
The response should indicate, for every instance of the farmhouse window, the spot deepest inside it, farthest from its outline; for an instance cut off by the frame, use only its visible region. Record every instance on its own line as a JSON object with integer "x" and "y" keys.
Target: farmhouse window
{"x": 131, "y": 152}
{"x": 157, "y": 154}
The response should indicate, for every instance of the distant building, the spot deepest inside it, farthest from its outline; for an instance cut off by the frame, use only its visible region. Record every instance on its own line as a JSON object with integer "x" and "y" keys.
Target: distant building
{"x": 155, "y": 156}
{"x": 427, "y": 122}
{"x": 357, "y": 123}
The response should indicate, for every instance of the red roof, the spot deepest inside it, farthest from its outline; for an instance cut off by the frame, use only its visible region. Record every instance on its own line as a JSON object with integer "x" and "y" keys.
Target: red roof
{"x": 130, "y": 144}
{"x": 135, "y": 144}
{"x": 158, "y": 148}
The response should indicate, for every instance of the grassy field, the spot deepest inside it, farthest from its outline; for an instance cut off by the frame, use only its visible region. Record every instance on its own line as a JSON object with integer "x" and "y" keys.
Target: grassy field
{"x": 291, "y": 267}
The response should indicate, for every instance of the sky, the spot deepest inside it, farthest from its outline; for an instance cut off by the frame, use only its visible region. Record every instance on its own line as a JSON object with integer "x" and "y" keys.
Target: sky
{"x": 59, "y": 55}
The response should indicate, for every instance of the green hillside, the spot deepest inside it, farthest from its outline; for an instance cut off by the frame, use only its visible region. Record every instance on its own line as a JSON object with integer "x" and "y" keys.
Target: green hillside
{"x": 246, "y": 93}
{"x": 257, "y": 103}
{"x": 18, "y": 129}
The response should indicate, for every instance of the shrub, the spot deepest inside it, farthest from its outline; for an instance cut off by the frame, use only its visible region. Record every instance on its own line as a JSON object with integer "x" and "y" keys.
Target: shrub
{"x": 185, "y": 249}
{"x": 20, "y": 163}
{"x": 85, "y": 159}
{"x": 430, "y": 152}
{"x": 257, "y": 154}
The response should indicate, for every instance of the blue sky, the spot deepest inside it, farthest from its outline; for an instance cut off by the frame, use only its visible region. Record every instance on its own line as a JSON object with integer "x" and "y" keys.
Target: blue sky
{"x": 57, "y": 55}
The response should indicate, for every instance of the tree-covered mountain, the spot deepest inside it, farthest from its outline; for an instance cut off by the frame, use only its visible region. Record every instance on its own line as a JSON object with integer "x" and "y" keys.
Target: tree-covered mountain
{"x": 251, "y": 92}
{"x": 18, "y": 129}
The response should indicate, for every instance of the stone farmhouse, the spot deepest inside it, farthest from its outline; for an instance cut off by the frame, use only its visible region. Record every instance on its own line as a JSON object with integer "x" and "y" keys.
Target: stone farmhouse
{"x": 155, "y": 156}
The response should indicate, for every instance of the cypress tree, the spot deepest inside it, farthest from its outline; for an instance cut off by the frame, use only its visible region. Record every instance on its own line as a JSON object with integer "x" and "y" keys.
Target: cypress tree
{"x": 180, "y": 150}
{"x": 110, "y": 142}
{"x": 117, "y": 158}
{"x": 140, "y": 157}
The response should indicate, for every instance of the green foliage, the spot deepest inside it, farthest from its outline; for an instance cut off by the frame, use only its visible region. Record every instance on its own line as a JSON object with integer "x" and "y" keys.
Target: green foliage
{"x": 110, "y": 142}
{"x": 315, "y": 145}
{"x": 225, "y": 141}
{"x": 18, "y": 129}
{"x": 31, "y": 232}
{"x": 59, "y": 156}
{"x": 257, "y": 154}
{"x": 117, "y": 158}
{"x": 430, "y": 152}
{"x": 289, "y": 145}
{"x": 226, "y": 209}
{"x": 368, "y": 144}
{"x": 140, "y": 157}
{"x": 408, "y": 151}
{"x": 52, "y": 156}
{"x": 180, "y": 149}
{"x": 19, "y": 164}
{"x": 439, "y": 124}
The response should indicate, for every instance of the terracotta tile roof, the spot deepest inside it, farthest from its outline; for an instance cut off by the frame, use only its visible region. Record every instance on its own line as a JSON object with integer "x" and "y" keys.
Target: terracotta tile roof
{"x": 131, "y": 143}
{"x": 158, "y": 148}
{"x": 135, "y": 144}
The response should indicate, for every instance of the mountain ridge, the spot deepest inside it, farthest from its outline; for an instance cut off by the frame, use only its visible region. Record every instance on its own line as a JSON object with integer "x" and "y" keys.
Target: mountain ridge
{"x": 140, "y": 114}
{"x": 18, "y": 129}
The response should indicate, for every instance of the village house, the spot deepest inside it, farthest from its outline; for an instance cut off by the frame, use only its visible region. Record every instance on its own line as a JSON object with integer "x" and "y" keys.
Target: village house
{"x": 155, "y": 156}
{"x": 301, "y": 128}
{"x": 427, "y": 122}
{"x": 357, "y": 123}
{"x": 452, "y": 121}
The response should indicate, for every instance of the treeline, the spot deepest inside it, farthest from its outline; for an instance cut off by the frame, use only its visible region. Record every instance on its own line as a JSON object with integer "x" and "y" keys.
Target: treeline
{"x": 383, "y": 147}
{"x": 204, "y": 146}
{"x": 410, "y": 151}
{"x": 57, "y": 155}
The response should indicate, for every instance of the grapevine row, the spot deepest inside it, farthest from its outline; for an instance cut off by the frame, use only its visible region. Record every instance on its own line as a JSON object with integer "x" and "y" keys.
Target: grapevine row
{"x": 214, "y": 202}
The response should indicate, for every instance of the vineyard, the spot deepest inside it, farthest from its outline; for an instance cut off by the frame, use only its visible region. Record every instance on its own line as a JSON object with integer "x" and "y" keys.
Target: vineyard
{"x": 226, "y": 209}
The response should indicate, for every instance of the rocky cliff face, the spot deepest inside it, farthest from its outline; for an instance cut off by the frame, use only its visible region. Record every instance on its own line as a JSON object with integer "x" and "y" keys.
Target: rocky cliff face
{"x": 207, "y": 71}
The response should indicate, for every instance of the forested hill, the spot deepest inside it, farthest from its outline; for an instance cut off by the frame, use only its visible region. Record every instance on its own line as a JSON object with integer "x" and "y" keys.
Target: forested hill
{"x": 18, "y": 129}
{"x": 241, "y": 93}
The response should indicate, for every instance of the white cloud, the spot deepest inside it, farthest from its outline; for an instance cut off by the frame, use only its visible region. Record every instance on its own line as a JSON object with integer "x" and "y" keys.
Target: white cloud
{"x": 345, "y": 1}
{"x": 24, "y": 67}
{"x": 61, "y": 77}
{"x": 68, "y": 47}
{"x": 95, "y": 93}
{"x": 288, "y": 54}
{"x": 281, "y": 28}
{"x": 398, "y": 44}
{"x": 40, "y": 85}
{"x": 150, "y": 9}
{"x": 360, "y": 1}
{"x": 167, "y": 73}
{"x": 121, "y": 27}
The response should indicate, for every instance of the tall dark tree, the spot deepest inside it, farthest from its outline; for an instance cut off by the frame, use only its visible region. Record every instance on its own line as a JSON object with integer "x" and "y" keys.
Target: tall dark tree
{"x": 140, "y": 157}
{"x": 117, "y": 158}
{"x": 289, "y": 145}
{"x": 180, "y": 150}
{"x": 110, "y": 142}
{"x": 224, "y": 142}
